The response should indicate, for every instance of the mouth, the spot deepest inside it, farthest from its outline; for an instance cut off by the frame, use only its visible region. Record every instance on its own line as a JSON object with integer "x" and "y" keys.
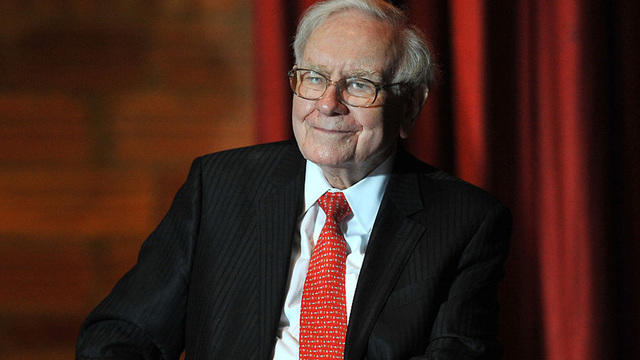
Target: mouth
{"x": 330, "y": 127}
{"x": 332, "y": 131}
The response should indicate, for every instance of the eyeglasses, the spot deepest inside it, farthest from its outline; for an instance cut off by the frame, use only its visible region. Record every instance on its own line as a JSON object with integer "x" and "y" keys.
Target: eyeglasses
{"x": 355, "y": 91}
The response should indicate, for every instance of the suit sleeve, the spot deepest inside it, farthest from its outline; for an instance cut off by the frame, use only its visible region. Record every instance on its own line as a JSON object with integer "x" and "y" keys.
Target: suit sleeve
{"x": 466, "y": 326}
{"x": 143, "y": 316}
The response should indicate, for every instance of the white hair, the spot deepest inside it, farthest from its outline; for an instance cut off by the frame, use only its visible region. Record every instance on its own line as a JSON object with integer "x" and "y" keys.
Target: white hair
{"x": 413, "y": 65}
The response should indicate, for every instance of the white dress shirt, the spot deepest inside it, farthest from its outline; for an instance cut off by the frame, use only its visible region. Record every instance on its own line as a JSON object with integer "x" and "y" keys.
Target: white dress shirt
{"x": 364, "y": 198}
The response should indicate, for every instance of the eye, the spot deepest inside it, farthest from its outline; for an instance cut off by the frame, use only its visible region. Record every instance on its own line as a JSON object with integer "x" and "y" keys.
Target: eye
{"x": 359, "y": 87}
{"x": 313, "y": 78}
{"x": 357, "y": 84}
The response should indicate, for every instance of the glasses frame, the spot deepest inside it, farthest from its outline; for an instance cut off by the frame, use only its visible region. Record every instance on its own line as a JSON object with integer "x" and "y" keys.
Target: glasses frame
{"x": 291, "y": 74}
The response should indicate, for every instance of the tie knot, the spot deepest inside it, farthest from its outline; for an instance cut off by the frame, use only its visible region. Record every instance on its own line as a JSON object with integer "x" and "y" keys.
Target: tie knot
{"x": 335, "y": 205}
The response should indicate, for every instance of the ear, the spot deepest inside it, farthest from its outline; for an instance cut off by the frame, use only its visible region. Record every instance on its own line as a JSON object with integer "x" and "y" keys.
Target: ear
{"x": 415, "y": 102}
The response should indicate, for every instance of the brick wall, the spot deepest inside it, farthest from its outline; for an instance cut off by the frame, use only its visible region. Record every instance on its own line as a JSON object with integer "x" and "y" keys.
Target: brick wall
{"x": 103, "y": 105}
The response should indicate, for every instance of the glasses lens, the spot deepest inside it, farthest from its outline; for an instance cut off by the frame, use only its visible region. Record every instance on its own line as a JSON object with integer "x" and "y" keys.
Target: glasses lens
{"x": 358, "y": 92}
{"x": 311, "y": 84}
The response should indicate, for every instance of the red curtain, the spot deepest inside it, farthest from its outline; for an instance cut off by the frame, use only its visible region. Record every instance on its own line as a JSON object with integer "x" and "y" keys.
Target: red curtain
{"x": 536, "y": 102}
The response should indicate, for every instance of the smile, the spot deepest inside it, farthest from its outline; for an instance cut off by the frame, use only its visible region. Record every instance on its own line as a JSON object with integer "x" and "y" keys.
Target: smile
{"x": 332, "y": 131}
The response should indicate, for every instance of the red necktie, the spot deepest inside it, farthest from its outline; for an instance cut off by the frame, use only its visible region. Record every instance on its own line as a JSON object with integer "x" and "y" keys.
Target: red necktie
{"x": 323, "y": 314}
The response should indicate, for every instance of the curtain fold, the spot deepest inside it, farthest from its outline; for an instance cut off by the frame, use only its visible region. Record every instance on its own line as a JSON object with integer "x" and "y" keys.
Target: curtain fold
{"x": 536, "y": 102}
{"x": 562, "y": 212}
{"x": 468, "y": 79}
{"x": 271, "y": 32}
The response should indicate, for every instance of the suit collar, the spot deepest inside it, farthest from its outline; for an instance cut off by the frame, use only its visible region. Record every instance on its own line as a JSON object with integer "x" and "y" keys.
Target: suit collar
{"x": 392, "y": 240}
{"x": 289, "y": 167}
{"x": 404, "y": 188}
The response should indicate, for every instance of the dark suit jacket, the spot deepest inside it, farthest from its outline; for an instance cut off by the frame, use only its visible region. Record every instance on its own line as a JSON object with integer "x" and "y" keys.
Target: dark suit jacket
{"x": 211, "y": 279}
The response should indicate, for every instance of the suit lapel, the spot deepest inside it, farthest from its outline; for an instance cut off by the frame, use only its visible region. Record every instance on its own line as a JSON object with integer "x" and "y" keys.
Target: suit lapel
{"x": 277, "y": 212}
{"x": 393, "y": 237}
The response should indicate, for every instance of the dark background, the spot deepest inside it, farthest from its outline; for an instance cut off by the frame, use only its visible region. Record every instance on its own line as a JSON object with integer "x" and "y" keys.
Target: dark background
{"x": 103, "y": 106}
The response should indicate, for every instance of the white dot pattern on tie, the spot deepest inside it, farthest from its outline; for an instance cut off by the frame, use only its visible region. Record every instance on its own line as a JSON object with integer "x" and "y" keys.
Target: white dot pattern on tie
{"x": 323, "y": 314}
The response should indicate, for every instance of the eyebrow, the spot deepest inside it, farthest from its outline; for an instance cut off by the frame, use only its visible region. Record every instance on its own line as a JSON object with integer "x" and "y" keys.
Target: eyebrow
{"x": 317, "y": 68}
{"x": 367, "y": 74}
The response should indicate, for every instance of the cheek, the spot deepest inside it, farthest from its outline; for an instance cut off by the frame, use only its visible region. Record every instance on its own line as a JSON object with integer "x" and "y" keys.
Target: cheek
{"x": 372, "y": 132}
{"x": 300, "y": 109}
{"x": 377, "y": 134}
{"x": 372, "y": 124}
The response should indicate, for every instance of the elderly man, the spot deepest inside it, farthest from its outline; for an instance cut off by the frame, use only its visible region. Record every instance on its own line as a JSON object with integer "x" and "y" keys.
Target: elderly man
{"x": 343, "y": 246}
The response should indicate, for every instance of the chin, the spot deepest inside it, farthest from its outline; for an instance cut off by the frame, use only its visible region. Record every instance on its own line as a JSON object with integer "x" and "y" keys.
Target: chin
{"x": 326, "y": 158}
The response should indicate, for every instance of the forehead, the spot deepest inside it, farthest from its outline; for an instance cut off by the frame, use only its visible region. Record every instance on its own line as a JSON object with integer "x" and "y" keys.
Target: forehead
{"x": 350, "y": 41}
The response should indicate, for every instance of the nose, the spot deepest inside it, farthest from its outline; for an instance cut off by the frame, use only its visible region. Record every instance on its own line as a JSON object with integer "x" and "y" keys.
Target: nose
{"x": 330, "y": 103}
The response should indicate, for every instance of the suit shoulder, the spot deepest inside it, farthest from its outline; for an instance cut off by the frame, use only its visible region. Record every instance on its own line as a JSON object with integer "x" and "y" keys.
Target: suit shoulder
{"x": 249, "y": 157}
{"x": 249, "y": 152}
{"x": 249, "y": 168}
{"x": 438, "y": 184}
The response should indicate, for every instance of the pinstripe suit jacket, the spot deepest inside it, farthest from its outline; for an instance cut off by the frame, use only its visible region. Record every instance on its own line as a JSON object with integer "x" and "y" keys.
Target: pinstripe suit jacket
{"x": 211, "y": 279}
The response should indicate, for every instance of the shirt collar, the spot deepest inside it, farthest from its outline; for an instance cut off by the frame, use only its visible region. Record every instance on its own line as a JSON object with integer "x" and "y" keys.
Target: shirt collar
{"x": 364, "y": 197}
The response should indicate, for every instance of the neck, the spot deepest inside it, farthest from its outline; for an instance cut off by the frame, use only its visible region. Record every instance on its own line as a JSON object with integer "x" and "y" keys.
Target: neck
{"x": 344, "y": 177}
